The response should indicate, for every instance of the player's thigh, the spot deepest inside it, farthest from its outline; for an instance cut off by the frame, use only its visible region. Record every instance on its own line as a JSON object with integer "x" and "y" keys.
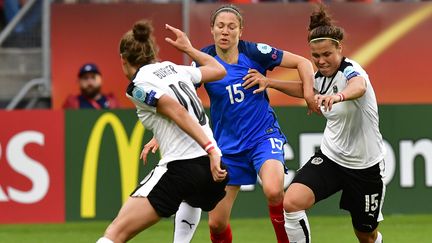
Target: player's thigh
{"x": 268, "y": 161}
{"x": 209, "y": 192}
{"x": 219, "y": 216}
{"x": 298, "y": 197}
{"x": 272, "y": 177}
{"x": 240, "y": 169}
{"x": 318, "y": 179}
{"x": 265, "y": 156}
{"x": 363, "y": 196}
{"x": 135, "y": 215}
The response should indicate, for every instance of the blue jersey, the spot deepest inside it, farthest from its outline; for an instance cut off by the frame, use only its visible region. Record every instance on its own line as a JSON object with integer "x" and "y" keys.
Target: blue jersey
{"x": 241, "y": 119}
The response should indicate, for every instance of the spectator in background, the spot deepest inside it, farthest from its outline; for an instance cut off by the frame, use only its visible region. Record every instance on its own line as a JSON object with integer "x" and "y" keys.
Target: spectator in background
{"x": 90, "y": 82}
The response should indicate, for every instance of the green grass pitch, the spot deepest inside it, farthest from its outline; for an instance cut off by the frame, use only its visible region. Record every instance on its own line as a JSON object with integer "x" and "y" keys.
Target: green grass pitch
{"x": 395, "y": 229}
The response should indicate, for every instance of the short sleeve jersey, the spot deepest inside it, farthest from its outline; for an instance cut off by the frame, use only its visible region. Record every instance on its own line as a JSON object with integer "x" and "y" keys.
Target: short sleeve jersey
{"x": 351, "y": 137}
{"x": 241, "y": 119}
{"x": 166, "y": 78}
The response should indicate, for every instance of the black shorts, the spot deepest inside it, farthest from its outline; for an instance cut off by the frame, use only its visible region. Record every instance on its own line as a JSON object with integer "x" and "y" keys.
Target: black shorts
{"x": 363, "y": 190}
{"x": 181, "y": 180}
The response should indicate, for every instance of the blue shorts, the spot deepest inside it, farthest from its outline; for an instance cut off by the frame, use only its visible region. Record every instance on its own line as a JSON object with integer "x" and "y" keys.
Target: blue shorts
{"x": 244, "y": 167}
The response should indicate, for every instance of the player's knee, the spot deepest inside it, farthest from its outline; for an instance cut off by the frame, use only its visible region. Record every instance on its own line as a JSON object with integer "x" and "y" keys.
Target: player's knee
{"x": 115, "y": 233}
{"x": 274, "y": 195}
{"x": 291, "y": 204}
{"x": 366, "y": 237}
{"x": 217, "y": 226}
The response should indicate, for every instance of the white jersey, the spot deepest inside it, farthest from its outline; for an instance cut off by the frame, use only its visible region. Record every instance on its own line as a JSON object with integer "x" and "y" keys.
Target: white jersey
{"x": 351, "y": 137}
{"x": 166, "y": 78}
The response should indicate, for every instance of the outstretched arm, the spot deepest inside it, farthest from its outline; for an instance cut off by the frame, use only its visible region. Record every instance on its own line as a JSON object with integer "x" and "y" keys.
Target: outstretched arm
{"x": 306, "y": 73}
{"x": 355, "y": 89}
{"x": 291, "y": 88}
{"x": 210, "y": 68}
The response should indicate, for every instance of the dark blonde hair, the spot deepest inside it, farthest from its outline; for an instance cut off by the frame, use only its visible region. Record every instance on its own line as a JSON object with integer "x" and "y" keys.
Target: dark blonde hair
{"x": 321, "y": 26}
{"x": 227, "y": 8}
{"x": 137, "y": 45}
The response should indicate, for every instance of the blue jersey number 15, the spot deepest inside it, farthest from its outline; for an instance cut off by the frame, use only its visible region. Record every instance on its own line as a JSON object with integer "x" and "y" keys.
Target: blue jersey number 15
{"x": 236, "y": 95}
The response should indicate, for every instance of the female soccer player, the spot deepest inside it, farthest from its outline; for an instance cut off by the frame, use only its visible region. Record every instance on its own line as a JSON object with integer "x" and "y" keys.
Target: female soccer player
{"x": 351, "y": 157}
{"x": 244, "y": 124}
{"x": 167, "y": 104}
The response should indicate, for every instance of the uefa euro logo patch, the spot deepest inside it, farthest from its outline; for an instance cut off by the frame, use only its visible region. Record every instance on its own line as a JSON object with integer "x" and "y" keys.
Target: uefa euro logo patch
{"x": 139, "y": 94}
{"x": 349, "y": 72}
{"x": 264, "y": 48}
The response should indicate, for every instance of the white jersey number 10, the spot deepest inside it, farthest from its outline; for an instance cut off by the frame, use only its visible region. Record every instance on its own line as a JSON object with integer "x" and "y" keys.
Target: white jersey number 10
{"x": 197, "y": 107}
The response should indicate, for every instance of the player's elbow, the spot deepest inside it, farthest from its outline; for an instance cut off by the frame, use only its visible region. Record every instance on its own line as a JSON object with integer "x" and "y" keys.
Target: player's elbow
{"x": 361, "y": 88}
{"x": 220, "y": 72}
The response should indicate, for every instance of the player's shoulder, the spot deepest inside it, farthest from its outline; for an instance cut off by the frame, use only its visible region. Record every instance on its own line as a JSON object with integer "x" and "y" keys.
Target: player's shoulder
{"x": 351, "y": 68}
{"x": 210, "y": 49}
{"x": 254, "y": 48}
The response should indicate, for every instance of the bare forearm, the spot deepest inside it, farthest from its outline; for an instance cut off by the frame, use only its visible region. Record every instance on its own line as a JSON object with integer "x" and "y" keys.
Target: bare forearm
{"x": 211, "y": 69}
{"x": 355, "y": 89}
{"x": 190, "y": 126}
{"x": 306, "y": 74}
{"x": 200, "y": 57}
{"x": 291, "y": 88}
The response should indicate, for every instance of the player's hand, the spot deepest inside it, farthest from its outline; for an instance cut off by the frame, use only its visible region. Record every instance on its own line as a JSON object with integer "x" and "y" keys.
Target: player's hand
{"x": 182, "y": 42}
{"x": 218, "y": 173}
{"x": 326, "y": 101}
{"x": 312, "y": 105}
{"x": 255, "y": 78}
{"x": 152, "y": 146}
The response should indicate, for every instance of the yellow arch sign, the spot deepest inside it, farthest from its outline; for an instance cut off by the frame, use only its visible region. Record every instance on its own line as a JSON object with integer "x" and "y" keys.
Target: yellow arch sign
{"x": 128, "y": 158}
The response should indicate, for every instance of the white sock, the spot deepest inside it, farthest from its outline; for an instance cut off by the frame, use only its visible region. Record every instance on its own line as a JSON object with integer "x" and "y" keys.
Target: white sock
{"x": 297, "y": 227}
{"x": 186, "y": 222}
{"x": 379, "y": 238}
{"x": 104, "y": 240}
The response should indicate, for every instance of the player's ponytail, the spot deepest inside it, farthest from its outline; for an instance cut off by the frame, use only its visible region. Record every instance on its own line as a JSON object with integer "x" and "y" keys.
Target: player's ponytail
{"x": 137, "y": 46}
{"x": 142, "y": 30}
{"x": 321, "y": 27}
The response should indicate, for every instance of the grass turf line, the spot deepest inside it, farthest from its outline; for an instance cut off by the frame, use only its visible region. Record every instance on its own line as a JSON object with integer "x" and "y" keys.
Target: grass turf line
{"x": 325, "y": 229}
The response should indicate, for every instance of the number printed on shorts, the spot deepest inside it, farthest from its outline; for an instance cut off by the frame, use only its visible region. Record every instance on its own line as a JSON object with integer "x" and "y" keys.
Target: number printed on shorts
{"x": 197, "y": 107}
{"x": 371, "y": 202}
{"x": 236, "y": 95}
{"x": 277, "y": 145}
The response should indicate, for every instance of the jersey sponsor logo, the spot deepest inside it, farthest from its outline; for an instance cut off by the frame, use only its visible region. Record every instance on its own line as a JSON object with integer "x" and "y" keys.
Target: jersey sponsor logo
{"x": 317, "y": 160}
{"x": 349, "y": 72}
{"x": 264, "y": 48}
